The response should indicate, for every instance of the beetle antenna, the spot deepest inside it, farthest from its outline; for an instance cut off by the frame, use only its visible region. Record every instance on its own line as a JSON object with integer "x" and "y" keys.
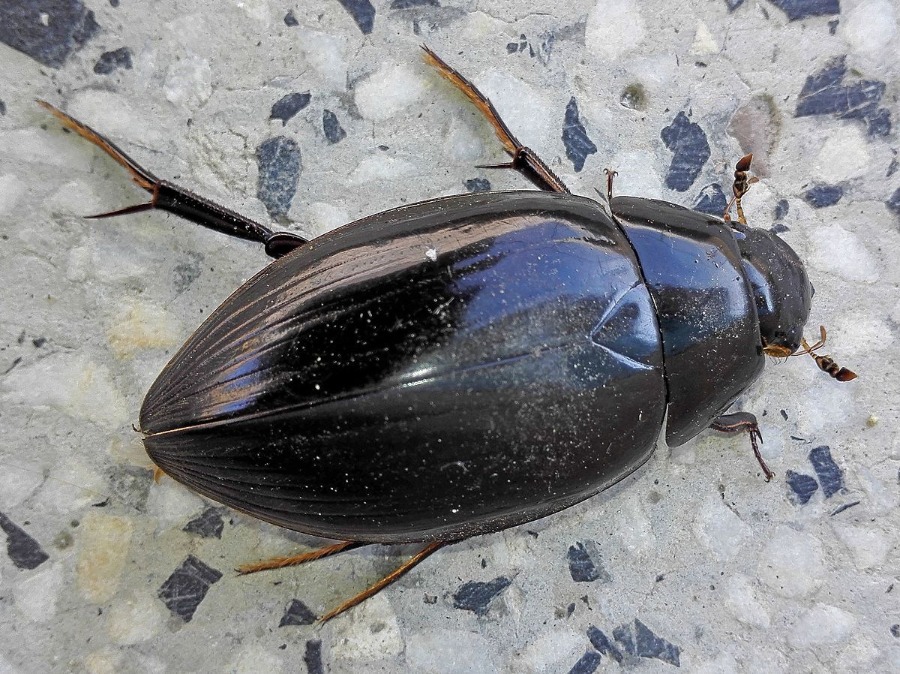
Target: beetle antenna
{"x": 825, "y": 363}
{"x": 740, "y": 187}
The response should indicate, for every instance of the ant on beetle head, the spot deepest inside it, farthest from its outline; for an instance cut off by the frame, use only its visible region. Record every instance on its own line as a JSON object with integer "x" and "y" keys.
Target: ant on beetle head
{"x": 742, "y": 183}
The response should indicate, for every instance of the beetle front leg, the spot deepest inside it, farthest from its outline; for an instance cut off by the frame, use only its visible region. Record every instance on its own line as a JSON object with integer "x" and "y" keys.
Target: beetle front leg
{"x": 524, "y": 159}
{"x": 170, "y": 197}
{"x": 744, "y": 422}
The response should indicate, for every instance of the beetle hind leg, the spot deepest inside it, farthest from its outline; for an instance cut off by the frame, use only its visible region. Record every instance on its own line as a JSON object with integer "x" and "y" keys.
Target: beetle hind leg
{"x": 378, "y": 586}
{"x": 296, "y": 560}
{"x": 169, "y": 197}
{"x": 524, "y": 159}
{"x": 744, "y": 422}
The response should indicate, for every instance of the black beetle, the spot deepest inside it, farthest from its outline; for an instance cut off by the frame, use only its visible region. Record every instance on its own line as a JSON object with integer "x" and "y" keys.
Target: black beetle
{"x": 466, "y": 364}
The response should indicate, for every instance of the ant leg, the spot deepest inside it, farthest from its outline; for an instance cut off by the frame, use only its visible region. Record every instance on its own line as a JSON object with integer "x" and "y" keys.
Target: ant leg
{"x": 169, "y": 197}
{"x": 743, "y": 422}
{"x": 524, "y": 160}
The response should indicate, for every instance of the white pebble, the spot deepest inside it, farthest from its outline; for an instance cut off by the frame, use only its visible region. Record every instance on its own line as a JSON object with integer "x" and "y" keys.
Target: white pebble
{"x": 870, "y": 26}
{"x": 17, "y": 484}
{"x": 379, "y": 167}
{"x": 135, "y": 619}
{"x": 11, "y": 189}
{"x": 792, "y": 563}
{"x": 189, "y": 82}
{"x": 634, "y": 530}
{"x": 741, "y": 602}
{"x": 172, "y": 503}
{"x": 368, "y": 632}
{"x": 36, "y": 596}
{"x": 636, "y": 174}
{"x": 841, "y": 252}
{"x": 520, "y": 106}
{"x": 822, "y": 624}
{"x": 719, "y": 529}
{"x": 844, "y": 155}
{"x": 440, "y": 652}
{"x": 323, "y": 217}
{"x": 104, "y": 543}
{"x": 869, "y": 547}
{"x": 614, "y": 27}
{"x": 141, "y": 326}
{"x": 257, "y": 659}
{"x": 704, "y": 43}
{"x": 325, "y": 54}
{"x": 74, "y": 385}
{"x": 388, "y": 91}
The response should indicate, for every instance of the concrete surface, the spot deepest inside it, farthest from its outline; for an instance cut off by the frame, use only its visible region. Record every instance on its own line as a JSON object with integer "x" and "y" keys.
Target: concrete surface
{"x": 314, "y": 114}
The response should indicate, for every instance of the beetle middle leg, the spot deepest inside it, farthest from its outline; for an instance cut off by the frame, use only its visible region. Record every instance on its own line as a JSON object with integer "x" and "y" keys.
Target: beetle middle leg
{"x": 524, "y": 159}
{"x": 744, "y": 422}
{"x": 170, "y": 197}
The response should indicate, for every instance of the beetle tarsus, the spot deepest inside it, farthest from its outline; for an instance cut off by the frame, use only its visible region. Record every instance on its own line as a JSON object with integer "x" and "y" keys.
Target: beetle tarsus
{"x": 525, "y": 160}
{"x": 296, "y": 560}
{"x": 375, "y": 588}
{"x": 744, "y": 422}
{"x": 610, "y": 174}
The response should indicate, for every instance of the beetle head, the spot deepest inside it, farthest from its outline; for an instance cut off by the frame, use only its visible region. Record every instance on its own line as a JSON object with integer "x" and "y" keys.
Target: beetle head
{"x": 781, "y": 288}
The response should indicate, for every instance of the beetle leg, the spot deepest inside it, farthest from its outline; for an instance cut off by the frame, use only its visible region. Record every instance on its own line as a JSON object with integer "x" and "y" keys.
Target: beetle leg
{"x": 524, "y": 159}
{"x": 744, "y": 422}
{"x": 296, "y": 560}
{"x": 610, "y": 174}
{"x": 384, "y": 582}
{"x": 169, "y": 197}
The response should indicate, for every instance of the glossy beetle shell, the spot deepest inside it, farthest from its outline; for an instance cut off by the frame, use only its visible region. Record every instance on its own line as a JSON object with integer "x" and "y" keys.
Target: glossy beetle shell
{"x": 440, "y": 370}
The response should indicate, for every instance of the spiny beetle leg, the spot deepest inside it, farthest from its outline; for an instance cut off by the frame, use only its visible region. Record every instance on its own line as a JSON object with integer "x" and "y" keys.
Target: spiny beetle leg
{"x": 296, "y": 560}
{"x": 524, "y": 160}
{"x": 169, "y": 197}
{"x": 377, "y": 587}
{"x": 744, "y": 422}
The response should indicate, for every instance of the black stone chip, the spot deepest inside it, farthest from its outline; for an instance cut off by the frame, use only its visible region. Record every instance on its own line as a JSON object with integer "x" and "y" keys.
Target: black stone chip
{"x": 187, "y": 586}
{"x": 208, "y": 524}
{"x": 802, "y": 487}
{"x": 290, "y": 19}
{"x": 830, "y": 475}
{"x": 587, "y": 663}
{"x": 575, "y": 138}
{"x": 279, "y": 172}
{"x": 820, "y": 196}
{"x": 893, "y": 202}
{"x": 688, "y": 143}
{"x": 22, "y": 549}
{"x": 475, "y": 596}
{"x": 110, "y": 61}
{"x": 802, "y": 9}
{"x": 827, "y": 93}
{"x": 334, "y": 132}
{"x": 362, "y": 12}
{"x": 313, "y": 657}
{"x": 69, "y": 25}
{"x": 711, "y": 200}
{"x": 478, "y": 185}
{"x": 585, "y": 563}
{"x": 288, "y": 106}
{"x": 603, "y": 645}
{"x": 297, "y": 613}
